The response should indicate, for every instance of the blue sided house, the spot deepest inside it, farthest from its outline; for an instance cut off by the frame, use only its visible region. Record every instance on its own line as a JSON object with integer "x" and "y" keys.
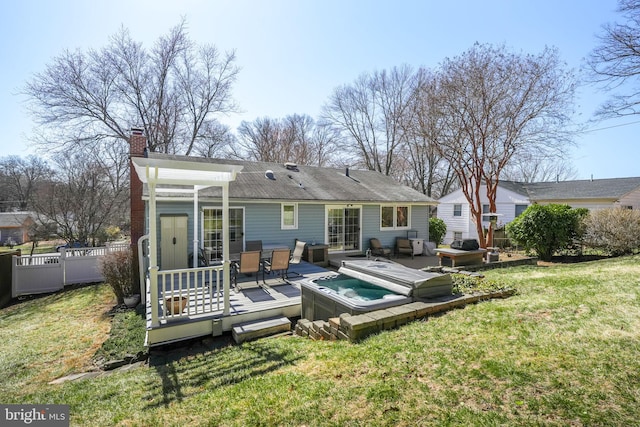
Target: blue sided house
{"x": 214, "y": 208}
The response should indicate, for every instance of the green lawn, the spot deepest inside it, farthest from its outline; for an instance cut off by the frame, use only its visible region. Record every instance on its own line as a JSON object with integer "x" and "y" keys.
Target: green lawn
{"x": 42, "y": 248}
{"x": 564, "y": 351}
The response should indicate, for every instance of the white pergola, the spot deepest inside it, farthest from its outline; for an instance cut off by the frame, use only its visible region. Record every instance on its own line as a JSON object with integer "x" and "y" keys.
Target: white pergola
{"x": 197, "y": 175}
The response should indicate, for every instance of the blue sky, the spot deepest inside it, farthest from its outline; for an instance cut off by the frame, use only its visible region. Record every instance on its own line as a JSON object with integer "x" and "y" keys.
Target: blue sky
{"x": 294, "y": 53}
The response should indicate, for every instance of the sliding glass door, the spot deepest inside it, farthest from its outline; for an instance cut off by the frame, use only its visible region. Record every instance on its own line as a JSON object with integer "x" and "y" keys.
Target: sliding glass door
{"x": 343, "y": 228}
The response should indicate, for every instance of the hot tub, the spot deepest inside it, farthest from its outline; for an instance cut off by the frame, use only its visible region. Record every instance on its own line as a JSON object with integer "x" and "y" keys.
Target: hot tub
{"x": 368, "y": 285}
{"x": 332, "y": 295}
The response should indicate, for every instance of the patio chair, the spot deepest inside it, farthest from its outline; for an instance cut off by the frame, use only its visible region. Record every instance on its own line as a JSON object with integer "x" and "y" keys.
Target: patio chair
{"x": 279, "y": 263}
{"x": 253, "y": 245}
{"x": 377, "y": 249}
{"x": 296, "y": 257}
{"x": 297, "y": 252}
{"x": 203, "y": 260}
{"x": 403, "y": 246}
{"x": 249, "y": 263}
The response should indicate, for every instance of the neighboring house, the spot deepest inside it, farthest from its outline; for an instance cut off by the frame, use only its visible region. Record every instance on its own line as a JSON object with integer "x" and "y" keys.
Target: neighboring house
{"x": 454, "y": 210}
{"x": 279, "y": 203}
{"x": 512, "y": 198}
{"x": 14, "y": 226}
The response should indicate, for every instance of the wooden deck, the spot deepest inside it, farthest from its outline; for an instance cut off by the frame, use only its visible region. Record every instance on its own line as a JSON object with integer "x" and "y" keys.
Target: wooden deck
{"x": 204, "y": 315}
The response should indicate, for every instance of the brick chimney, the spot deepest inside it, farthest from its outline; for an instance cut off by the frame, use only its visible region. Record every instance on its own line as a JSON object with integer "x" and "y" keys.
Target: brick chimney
{"x": 137, "y": 148}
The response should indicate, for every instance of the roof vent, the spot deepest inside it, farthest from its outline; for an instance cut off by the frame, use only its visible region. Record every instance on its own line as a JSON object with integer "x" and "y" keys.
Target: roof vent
{"x": 269, "y": 175}
{"x": 291, "y": 166}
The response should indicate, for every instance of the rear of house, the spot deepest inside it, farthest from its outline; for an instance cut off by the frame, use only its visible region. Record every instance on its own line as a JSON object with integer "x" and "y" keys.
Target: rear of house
{"x": 281, "y": 203}
{"x": 217, "y": 206}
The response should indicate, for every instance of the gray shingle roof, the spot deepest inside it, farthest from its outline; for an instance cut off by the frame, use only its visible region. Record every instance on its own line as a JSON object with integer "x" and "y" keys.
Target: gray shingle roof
{"x": 516, "y": 187}
{"x": 611, "y": 188}
{"x": 13, "y": 219}
{"x": 308, "y": 183}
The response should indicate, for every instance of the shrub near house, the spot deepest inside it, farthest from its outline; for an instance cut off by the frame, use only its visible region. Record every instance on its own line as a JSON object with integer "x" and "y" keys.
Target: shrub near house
{"x": 547, "y": 228}
{"x": 437, "y": 230}
{"x": 117, "y": 269}
{"x": 615, "y": 230}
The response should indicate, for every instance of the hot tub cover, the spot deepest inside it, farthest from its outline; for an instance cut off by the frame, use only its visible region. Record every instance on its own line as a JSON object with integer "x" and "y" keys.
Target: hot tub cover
{"x": 395, "y": 277}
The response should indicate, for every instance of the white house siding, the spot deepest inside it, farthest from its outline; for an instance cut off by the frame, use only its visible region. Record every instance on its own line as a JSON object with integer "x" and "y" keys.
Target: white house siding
{"x": 460, "y": 224}
{"x": 506, "y": 202}
{"x": 630, "y": 199}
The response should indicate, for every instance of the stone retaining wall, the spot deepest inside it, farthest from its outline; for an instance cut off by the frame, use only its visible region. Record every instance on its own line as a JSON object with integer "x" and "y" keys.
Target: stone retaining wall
{"x": 355, "y": 328}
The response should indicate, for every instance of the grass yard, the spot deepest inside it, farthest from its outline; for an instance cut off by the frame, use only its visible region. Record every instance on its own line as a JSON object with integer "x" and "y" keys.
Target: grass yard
{"x": 564, "y": 351}
{"x": 42, "y": 248}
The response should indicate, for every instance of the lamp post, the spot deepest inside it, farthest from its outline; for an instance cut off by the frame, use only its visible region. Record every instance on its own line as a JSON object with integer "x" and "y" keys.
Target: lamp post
{"x": 493, "y": 220}
{"x": 493, "y": 254}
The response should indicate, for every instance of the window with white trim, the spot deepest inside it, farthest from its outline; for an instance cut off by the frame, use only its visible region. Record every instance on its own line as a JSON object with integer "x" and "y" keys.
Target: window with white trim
{"x": 395, "y": 217}
{"x": 520, "y": 209}
{"x": 485, "y": 212}
{"x": 457, "y": 210}
{"x": 289, "y": 215}
{"x": 457, "y": 235}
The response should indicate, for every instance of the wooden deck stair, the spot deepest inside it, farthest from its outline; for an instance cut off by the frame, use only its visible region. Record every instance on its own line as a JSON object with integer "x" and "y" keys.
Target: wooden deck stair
{"x": 260, "y": 328}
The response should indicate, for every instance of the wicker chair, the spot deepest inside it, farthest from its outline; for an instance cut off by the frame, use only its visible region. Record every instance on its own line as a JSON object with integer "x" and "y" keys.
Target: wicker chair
{"x": 403, "y": 246}
{"x": 377, "y": 249}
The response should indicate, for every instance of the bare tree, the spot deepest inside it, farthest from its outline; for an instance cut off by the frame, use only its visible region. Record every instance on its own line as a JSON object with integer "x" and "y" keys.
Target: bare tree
{"x": 296, "y": 138}
{"x": 326, "y": 143}
{"x": 616, "y": 61}
{"x": 20, "y": 178}
{"x": 80, "y": 199}
{"x": 369, "y": 115}
{"x": 173, "y": 91}
{"x": 260, "y": 140}
{"x": 497, "y": 104}
{"x": 526, "y": 168}
{"x": 426, "y": 170}
{"x": 217, "y": 141}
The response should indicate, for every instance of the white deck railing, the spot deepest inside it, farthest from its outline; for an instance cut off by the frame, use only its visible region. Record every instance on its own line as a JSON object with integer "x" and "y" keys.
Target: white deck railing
{"x": 202, "y": 287}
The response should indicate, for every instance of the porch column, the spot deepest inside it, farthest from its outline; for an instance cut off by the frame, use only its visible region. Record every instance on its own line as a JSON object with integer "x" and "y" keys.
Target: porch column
{"x": 226, "y": 276}
{"x": 153, "y": 252}
{"x": 196, "y": 245}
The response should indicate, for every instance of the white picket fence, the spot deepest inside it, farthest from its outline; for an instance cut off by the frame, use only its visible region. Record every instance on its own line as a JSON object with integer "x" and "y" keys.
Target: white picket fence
{"x": 52, "y": 272}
